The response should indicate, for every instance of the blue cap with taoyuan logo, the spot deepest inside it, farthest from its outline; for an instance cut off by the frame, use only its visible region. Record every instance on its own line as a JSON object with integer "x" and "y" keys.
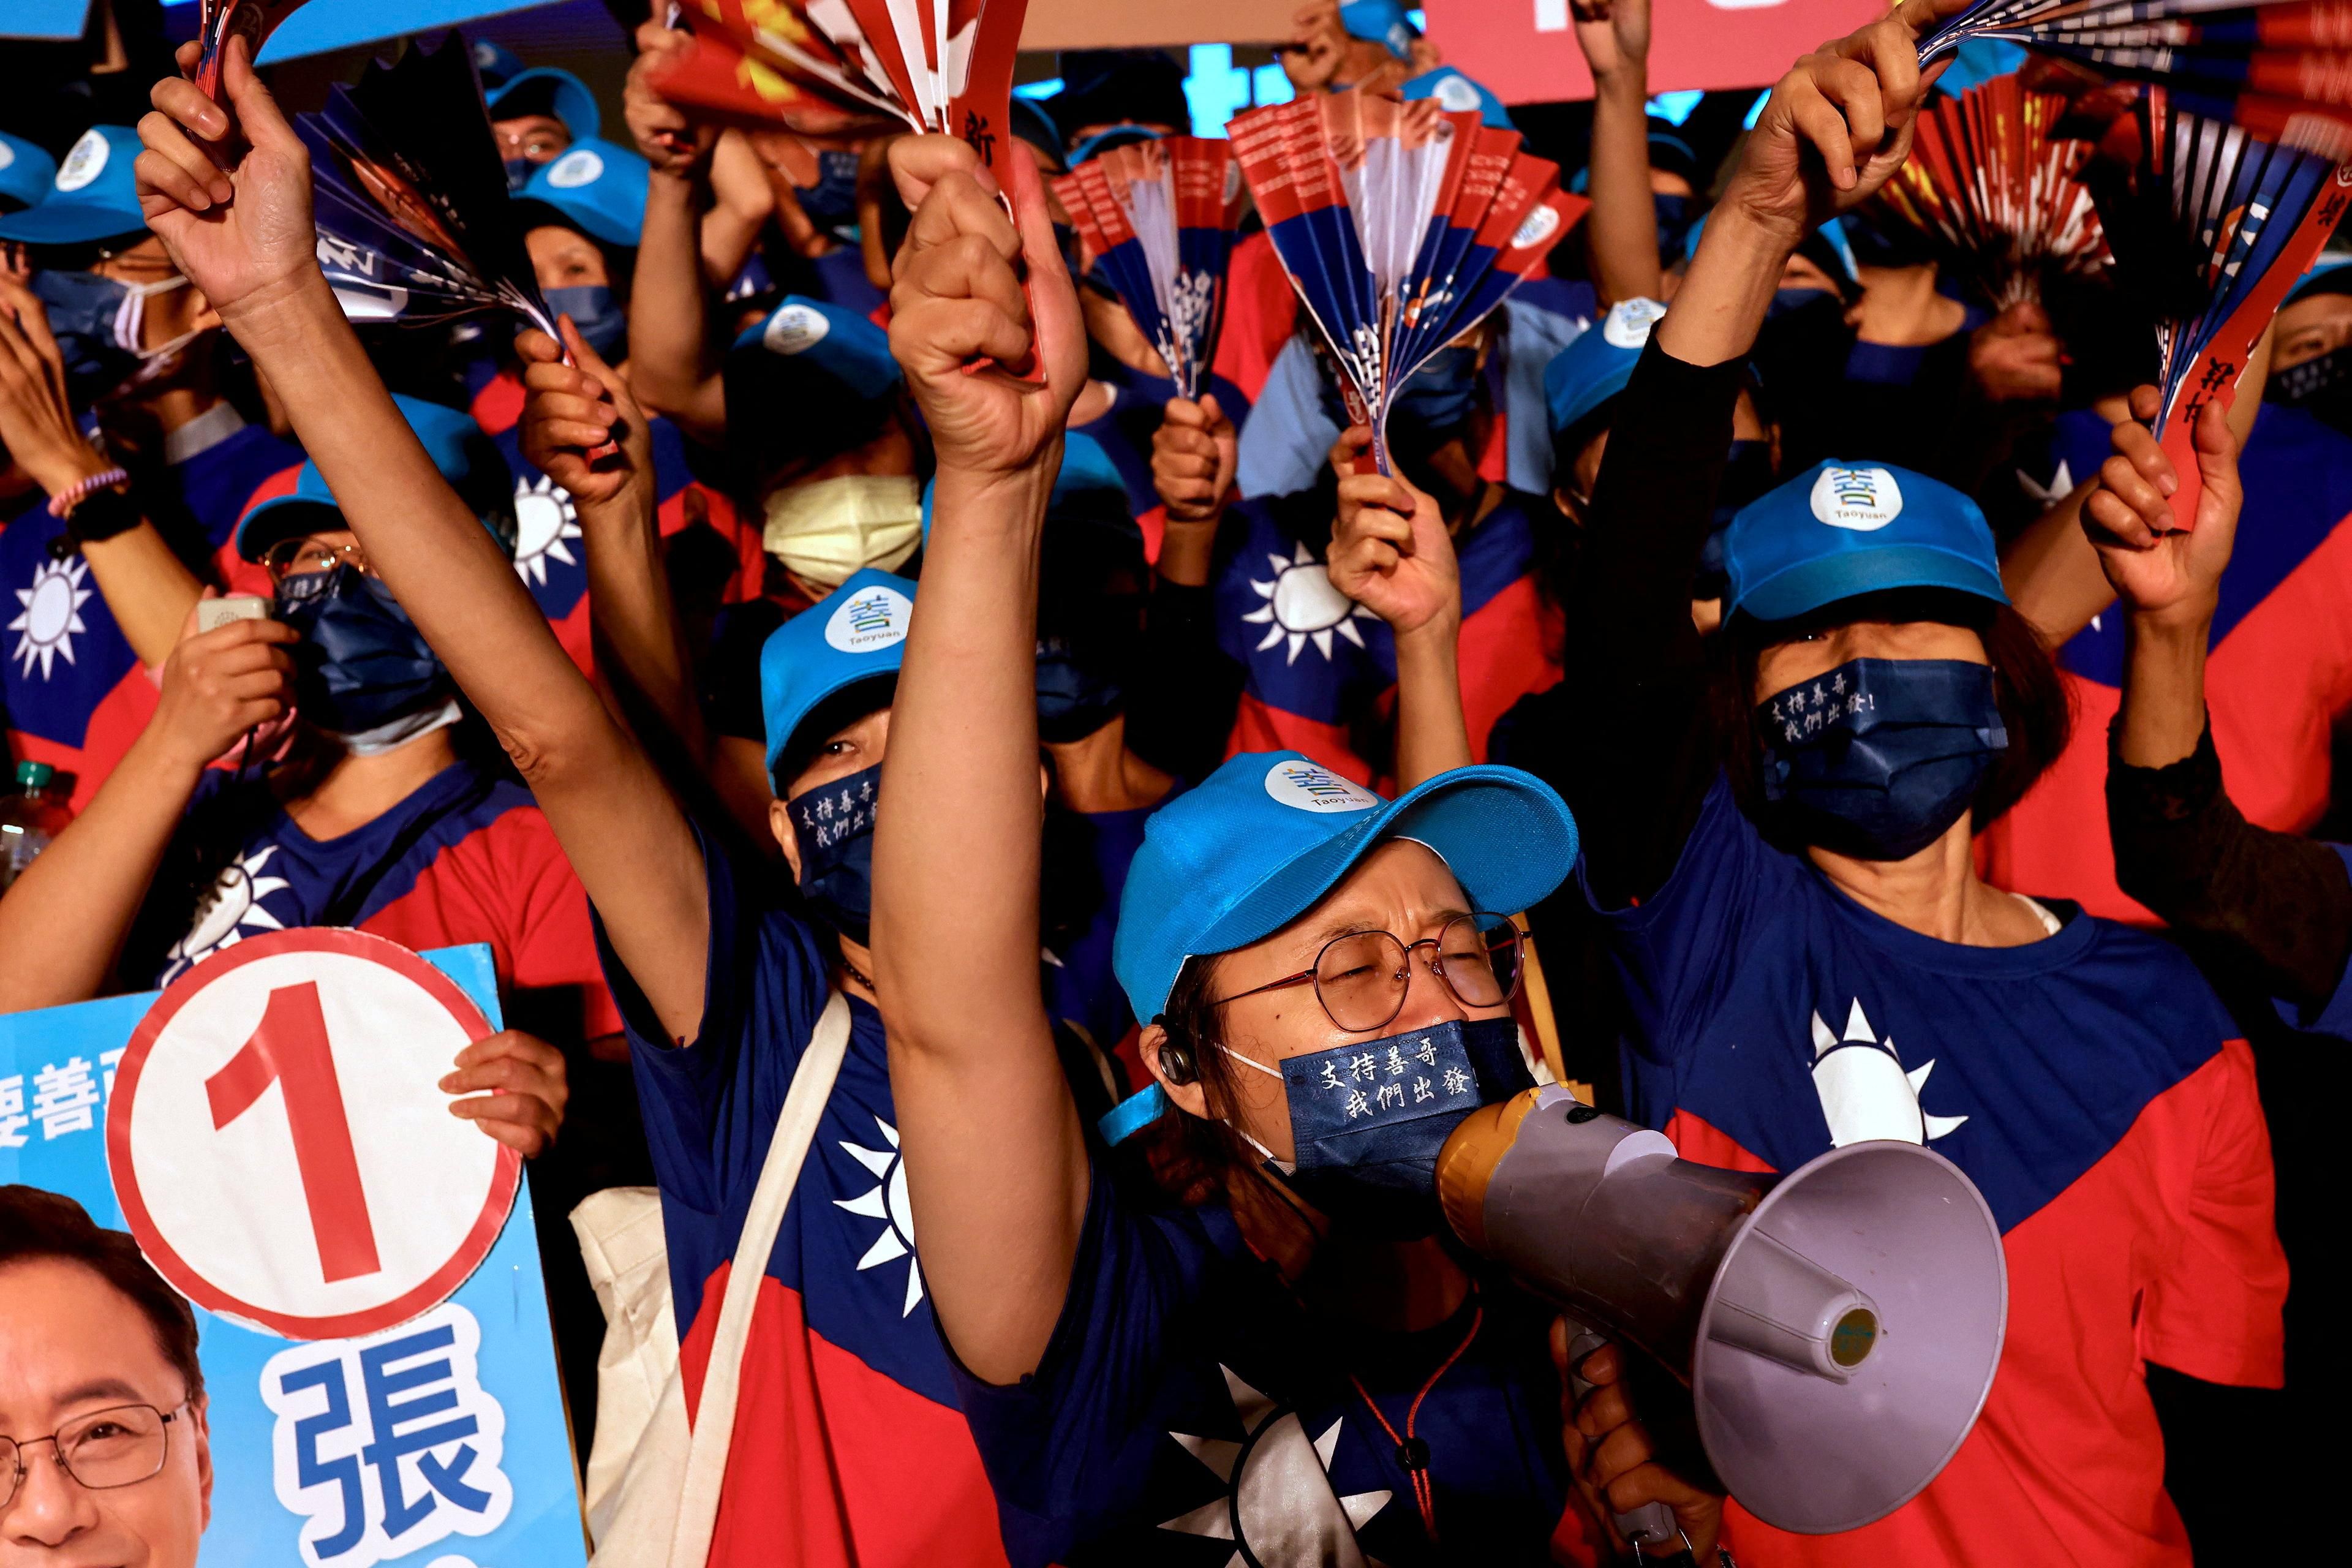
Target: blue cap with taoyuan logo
{"x": 92, "y": 196}
{"x": 1598, "y": 363}
{"x": 25, "y": 172}
{"x": 595, "y": 187}
{"x": 1269, "y": 832}
{"x": 1842, "y": 529}
{"x": 855, "y": 633}
{"x": 467, "y": 458}
{"x": 543, "y": 89}
{"x": 1459, "y": 94}
{"x": 1382, "y": 22}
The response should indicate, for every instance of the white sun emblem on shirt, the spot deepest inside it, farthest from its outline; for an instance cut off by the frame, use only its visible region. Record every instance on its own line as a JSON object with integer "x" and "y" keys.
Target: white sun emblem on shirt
{"x": 887, "y": 1203}
{"x": 544, "y": 518}
{"x": 228, "y": 906}
{"x": 1272, "y": 1509}
{"x": 1302, "y": 605}
{"x": 1864, "y": 1092}
{"x": 52, "y": 613}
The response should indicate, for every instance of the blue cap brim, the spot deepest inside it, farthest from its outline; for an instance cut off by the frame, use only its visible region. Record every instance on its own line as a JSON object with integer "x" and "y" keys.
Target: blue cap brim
{"x": 62, "y": 221}
{"x": 1806, "y": 587}
{"x": 1508, "y": 840}
{"x": 543, "y": 211}
{"x": 780, "y": 734}
{"x": 277, "y": 519}
{"x": 1592, "y": 394}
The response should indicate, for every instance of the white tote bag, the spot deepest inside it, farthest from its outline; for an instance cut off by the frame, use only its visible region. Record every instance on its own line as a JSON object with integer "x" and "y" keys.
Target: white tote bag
{"x": 658, "y": 1496}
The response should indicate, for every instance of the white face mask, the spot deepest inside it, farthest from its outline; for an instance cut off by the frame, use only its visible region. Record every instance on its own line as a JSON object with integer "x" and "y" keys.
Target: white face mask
{"x": 131, "y": 331}
{"x": 825, "y": 530}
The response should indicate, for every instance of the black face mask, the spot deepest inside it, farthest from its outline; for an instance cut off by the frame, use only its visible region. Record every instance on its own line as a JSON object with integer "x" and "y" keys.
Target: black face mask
{"x": 518, "y": 173}
{"x": 2322, "y": 387}
{"x": 1080, "y": 690}
{"x": 361, "y": 662}
{"x": 1675, "y": 219}
{"x": 834, "y": 824}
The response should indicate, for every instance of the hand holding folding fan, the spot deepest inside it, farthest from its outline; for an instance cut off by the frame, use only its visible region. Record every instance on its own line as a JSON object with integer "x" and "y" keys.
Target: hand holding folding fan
{"x": 1160, "y": 217}
{"x": 1400, "y": 226}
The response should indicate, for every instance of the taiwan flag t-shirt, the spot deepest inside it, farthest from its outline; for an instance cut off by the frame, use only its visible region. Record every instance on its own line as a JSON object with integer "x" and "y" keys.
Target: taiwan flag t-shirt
{"x": 2092, "y": 1087}
{"x": 848, "y": 1448}
{"x": 467, "y": 857}
{"x": 1320, "y": 669}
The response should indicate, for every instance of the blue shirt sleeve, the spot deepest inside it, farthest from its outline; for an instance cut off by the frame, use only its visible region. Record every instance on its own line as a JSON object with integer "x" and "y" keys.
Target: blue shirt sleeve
{"x": 1286, "y": 436}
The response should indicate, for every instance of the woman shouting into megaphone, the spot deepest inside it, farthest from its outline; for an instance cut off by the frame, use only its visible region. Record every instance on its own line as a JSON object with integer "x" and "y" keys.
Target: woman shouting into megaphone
{"x": 1252, "y": 1335}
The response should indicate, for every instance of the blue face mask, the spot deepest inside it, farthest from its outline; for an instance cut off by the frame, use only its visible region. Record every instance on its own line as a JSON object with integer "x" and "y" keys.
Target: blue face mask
{"x": 1077, "y": 694}
{"x": 1786, "y": 299}
{"x": 361, "y": 662}
{"x": 1367, "y": 1120}
{"x": 1437, "y": 398}
{"x": 99, "y": 324}
{"x": 835, "y": 825}
{"x": 519, "y": 173}
{"x": 593, "y": 310}
{"x": 1675, "y": 219}
{"x": 832, "y": 203}
{"x": 1879, "y": 756}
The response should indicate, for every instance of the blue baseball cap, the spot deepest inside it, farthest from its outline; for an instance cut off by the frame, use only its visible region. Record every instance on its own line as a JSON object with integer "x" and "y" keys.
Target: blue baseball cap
{"x": 1102, "y": 141}
{"x": 595, "y": 187}
{"x": 828, "y": 369}
{"x": 1382, "y": 22}
{"x": 543, "y": 89}
{"x": 1459, "y": 94}
{"x": 2329, "y": 275}
{"x": 494, "y": 63}
{"x": 1262, "y": 840}
{"x": 91, "y": 197}
{"x": 467, "y": 458}
{"x": 1086, "y": 471}
{"x": 857, "y": 631}
{"x": 1597, "y": 363}
{"x": 1840, "y": 528}
{"x": 25, "y": 172}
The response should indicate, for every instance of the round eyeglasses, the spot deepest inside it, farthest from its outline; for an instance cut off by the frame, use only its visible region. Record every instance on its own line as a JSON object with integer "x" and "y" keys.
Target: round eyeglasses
{"x": 1362, "y": 977}
{"x": 118, "y": 1446}
{"x": 296, "y": 557}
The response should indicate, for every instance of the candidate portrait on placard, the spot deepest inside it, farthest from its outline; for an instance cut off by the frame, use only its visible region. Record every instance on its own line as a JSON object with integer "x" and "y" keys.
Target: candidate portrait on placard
{"x": 104, "y": 1453}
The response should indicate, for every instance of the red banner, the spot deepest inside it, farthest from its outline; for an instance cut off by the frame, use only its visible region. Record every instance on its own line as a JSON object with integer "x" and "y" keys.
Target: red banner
{"x": 1525, "y": 51}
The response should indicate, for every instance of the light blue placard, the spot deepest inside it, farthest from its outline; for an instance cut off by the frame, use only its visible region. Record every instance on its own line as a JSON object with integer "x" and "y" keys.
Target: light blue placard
{"x": 43, "y": 18}
{"x": 56, "y": 1068}
{"x": 324, "y": 25}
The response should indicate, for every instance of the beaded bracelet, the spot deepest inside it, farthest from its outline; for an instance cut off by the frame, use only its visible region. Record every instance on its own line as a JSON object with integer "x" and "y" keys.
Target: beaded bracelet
{"x": 79, "y": 491}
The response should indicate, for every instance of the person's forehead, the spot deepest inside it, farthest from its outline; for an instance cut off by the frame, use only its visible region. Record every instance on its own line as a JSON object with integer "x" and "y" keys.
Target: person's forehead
{"x": 524, "y": 124}
{"x": 2317, "y": 310}
{"x": 147, "y": 257}
{"x": 68, "y": 1335}
{"x": 555, "y": 236}
{"x": 1401, "y": 877}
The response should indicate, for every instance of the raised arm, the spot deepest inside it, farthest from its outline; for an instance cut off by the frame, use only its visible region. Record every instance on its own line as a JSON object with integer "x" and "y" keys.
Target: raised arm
{"x": 62, "y": 924}
{"x": 996, "y": 1159}
{"x": 668, "y": 369}
{"x": 1622, "y": 228}
{"x": 243, "y": 237}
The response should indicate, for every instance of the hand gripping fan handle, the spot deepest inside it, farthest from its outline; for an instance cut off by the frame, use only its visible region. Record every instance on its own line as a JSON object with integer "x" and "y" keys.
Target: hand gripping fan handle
{"x": 1653, "y": 1523}
{"x": 610, "y": 448}
{"x": 982, "y": 113}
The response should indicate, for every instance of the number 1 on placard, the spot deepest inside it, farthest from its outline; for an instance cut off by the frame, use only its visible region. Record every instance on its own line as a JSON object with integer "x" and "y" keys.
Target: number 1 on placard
{"x": 289, "y": 1048}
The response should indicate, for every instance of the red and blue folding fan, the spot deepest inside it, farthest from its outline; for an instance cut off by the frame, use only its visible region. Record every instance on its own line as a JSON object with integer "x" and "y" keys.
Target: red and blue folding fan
{"x": 1158, "y": 218}
{"x": 1401, "y": 228}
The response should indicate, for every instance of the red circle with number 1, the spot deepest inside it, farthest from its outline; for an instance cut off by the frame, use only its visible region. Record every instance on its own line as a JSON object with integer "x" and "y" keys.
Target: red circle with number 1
{"x": 281, "y": 1147}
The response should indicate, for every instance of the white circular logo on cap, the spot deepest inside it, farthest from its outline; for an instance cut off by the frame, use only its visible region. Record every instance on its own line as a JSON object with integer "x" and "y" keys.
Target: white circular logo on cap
{"x": 580, "y": 166}
{"x": 1304, "y": 786}
{"x": 8, "y": 154}
{"x": 86, "y": 163}
{"x": 1456, "y": 95}
{"x": 874, "y": 618}
{"x": 795, "y": 328}
{"x": 1864, "y": 500}
{"x": 1536, "y": 227}
{"x": 1628, "y": 323}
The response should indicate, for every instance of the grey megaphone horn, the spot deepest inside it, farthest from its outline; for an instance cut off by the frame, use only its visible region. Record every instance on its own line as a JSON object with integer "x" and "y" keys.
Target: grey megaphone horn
{"x": 1838, "y": 1327}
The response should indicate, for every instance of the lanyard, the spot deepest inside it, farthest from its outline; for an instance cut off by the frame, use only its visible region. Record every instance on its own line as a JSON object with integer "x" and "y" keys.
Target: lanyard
{"x": 1411, "y": 1451}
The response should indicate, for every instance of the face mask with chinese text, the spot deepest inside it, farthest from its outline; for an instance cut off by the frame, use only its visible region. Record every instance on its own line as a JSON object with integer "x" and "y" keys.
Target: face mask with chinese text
{"x": 1367, "y": 1120}
{"x": 835, "y": 825}
{"x": 1879, "y": 757}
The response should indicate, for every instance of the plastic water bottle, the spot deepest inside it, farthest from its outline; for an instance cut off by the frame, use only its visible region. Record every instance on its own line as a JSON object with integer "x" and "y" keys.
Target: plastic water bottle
{"x": 29, "y": 819}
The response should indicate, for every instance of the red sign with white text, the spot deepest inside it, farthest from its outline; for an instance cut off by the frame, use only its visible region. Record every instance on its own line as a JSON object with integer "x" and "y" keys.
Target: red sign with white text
{"x": 1524, "y": 50}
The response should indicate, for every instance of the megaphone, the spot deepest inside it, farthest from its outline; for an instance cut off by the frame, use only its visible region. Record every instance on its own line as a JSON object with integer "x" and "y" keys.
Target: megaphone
{"x": 1838, "y": 1327}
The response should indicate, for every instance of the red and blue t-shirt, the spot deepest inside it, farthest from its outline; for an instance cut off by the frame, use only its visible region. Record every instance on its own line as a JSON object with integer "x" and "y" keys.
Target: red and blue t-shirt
{"x": 1320, "y": 669}
{"x": 2092, "y": 1088}
{"x": 467, "y": 857}
{"x": 73, "y": 694}
{"x": 2280, "y": 672}
{"x": 848, "y": 1446}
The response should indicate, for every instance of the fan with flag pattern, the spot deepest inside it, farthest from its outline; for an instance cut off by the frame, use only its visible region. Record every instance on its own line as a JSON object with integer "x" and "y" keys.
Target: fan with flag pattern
{"x": 1400, "y": 226}
{"x": 1159, "y": 216}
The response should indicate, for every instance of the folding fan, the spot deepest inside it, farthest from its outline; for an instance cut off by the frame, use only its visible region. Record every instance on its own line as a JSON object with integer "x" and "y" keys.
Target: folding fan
{"x": 816, "y": 65}
{"x": 1160, "y": 217}
{"x": 1401, "y": 228}
{"x": 2209, "y": 228}
{"x": 254, "y": 20}
{"x": 1999, "y": 193}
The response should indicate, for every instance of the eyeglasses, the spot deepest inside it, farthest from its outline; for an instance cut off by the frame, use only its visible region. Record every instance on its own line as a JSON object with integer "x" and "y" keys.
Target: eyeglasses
{"x": 119, "y": 1446}
{"x": 1361, "y": 978}
{"x": 299, "y": 557}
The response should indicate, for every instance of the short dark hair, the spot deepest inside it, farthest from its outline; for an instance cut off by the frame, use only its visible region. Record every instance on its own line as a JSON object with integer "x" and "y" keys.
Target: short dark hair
{"x": 36, "y": 1223}
{"x": 2036, "y": 707}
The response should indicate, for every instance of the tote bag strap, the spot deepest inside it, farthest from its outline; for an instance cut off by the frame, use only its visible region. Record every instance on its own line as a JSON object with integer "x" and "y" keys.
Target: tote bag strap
{"x": 714, "y": 1424}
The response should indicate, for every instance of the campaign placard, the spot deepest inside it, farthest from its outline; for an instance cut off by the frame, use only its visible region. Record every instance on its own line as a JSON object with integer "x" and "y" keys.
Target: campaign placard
{"x": 379, "y": 1370}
